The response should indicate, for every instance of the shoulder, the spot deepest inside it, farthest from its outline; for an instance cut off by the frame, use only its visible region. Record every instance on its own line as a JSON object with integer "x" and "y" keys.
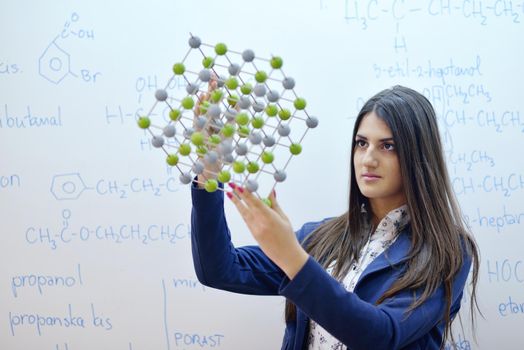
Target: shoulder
{"x": 309, "y": 227}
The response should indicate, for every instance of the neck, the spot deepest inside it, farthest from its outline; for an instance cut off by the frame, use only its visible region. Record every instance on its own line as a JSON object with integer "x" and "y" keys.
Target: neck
{"x": 381, "y": 207}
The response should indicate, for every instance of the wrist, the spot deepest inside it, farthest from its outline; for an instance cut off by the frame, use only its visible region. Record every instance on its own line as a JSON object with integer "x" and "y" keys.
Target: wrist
{"x": 295, "y": 262}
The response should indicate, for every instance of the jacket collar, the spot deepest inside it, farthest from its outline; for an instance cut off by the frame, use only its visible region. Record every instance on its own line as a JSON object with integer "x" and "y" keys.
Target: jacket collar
{"x": 395, "y": 254}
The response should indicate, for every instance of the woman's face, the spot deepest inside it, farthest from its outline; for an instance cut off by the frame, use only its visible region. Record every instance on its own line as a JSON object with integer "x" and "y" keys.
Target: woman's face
{"x": 376, "y": 163}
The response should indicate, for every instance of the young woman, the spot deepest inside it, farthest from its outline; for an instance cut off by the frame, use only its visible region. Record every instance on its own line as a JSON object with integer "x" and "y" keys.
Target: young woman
{"x": 387, "y": 274}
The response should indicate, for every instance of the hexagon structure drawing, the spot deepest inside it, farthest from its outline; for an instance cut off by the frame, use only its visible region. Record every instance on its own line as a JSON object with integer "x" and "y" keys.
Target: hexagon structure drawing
{"x": 67, "y": 186}
{"x": 54, "y": 64}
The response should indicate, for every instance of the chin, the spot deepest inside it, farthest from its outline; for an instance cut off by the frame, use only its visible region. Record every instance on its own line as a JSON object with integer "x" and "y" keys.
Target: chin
{"x": 371, "y": 193}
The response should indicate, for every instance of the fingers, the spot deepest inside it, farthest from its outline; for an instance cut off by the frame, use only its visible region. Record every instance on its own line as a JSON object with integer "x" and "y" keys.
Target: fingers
{"x": 242, "y": 209}
{"x": 274, "y": 204}
{"x": 213, "y": 83}
{"x": 201, "y": 98}
{"x": 249, "y": 199}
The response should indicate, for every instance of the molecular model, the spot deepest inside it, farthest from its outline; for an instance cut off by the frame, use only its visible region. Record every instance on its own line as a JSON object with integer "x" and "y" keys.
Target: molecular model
{"x": 236, "y": 116}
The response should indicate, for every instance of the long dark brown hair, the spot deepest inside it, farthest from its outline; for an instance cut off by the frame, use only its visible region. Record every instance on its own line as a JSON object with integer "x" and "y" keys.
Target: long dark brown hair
{"x": 438, "y": 231}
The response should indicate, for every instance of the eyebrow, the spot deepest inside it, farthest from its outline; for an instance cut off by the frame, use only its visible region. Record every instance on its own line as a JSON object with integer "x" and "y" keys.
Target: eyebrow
{"x": 365, "y": 138}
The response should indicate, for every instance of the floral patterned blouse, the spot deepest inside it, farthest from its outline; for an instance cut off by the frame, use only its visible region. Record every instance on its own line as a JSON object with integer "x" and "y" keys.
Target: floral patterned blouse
{"x": 385, "y": 234}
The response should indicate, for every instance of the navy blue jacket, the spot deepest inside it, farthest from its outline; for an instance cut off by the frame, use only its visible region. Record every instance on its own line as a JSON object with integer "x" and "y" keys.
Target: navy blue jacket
{"x": 351, "y": 317}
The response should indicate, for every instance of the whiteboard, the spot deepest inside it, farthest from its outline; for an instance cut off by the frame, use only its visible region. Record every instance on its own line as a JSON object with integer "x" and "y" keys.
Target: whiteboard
{"x": 95, "y": 249}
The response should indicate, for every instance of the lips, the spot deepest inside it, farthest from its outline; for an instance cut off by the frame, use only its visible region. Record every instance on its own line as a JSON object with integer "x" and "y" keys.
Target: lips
{"x": 371, "y": 176}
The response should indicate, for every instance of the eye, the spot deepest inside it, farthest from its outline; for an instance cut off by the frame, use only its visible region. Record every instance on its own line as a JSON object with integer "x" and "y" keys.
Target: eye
{"x": 389, "y": 147}
{"x": 360, "y": 143}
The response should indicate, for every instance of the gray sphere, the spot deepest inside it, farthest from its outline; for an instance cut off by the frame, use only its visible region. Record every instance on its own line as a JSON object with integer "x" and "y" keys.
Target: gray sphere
{"x": 161, "y": 95}
{"x": 279, "y": 175}
{"x": 204, "y": 75}
{"x": 169, "y": 131}
{"x": 268, "y": 141}
{"x": 241, "y": 149}
{"x": 217, "y": 124}
{"x": 289, "y": 83}
{"x": 233, "y": 69}
{"x": 157, "y": 141}
{"x": 221, "y": 81}
{"x": 251, "y": 185}
{"x": 258, "y": 106}
{"x": 211, "y": 157}
{"x": 284, "y": 130}
{"x": 225, "y": 147}
{"x": 259, "y": 90}
{"x": 228, "y": 158}
{"x": 248, "y": 55}
{"x": 312, "y": 122}
{"x": 198, "y": 167}
{"x": 214, "y": 111}
{"x": 230, "y": 114}
{"x": 244, "y": 102}
{"x": 273, "y": 96}
{"x": 185, "y": 178}
{"x": 188, "y": 132}
{"x": 255, "y": 138}
{"x": 192, "y": 88}
{"x": 194, "y": 42}
{"x": 200, "y": 122}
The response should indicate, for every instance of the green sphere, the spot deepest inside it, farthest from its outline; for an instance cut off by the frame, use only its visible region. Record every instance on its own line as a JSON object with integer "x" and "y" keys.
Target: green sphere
{"x": 243, "y": 131}
{"x": 295, "y": 148}
{"x": 257, "y": 122}
{"x": 246, "y": 89}
{"x": 224, "y": 176}
{"x": 203, "y": 107}
{"x": 214, "y": 139}
{"x": 188, "y": 103}
{"x": 211, "y": 185}
{"x": 260, "y": 76}
{"x": 252, "y": 167}
{"x": 174, "y": 114}
{"x": 172, "y": 159}
{"x": 284, "y": 114}
{"x": 267, "y": 202}
{"x": 184, "y": 149}
{"x": 201, "y": 150}
{"x": 144, "y": 122}
{"x": 238, "y": 167}
{"x": 232, "y": 83}
{"x": 300, "y": 103}
{"x": 197, "y": 138}
{"x": 228, "y": 130}
{"x": 276, "y": 62}
{"x": 179, "y": 68}
{"x": 220, "y": 49}
{"x": 267, "y": 157}
{"x": 242, "y": 119}
{"x": 271, "y": 110}
{"x": 217, "y": 95}
{"x": 208, "y": 62}
{"x": 232, "y": 100}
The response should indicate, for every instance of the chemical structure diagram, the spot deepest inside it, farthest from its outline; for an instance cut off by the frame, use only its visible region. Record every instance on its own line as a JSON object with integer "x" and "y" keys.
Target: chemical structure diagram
{"x": 55, "y": 65}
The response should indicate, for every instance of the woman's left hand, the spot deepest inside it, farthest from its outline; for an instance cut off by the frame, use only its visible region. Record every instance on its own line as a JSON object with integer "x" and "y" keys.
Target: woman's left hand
{"x": 271, "y": 228}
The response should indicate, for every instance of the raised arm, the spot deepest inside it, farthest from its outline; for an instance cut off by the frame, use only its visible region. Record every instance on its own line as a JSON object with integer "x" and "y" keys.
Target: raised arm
{"x": 217, "y": 262}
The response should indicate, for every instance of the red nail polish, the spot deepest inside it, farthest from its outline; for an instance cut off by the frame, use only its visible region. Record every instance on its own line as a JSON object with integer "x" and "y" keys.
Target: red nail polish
{"x": 232, "y": 184}
{"x": 229, "y": 194}
{"x": 240, "y": 189}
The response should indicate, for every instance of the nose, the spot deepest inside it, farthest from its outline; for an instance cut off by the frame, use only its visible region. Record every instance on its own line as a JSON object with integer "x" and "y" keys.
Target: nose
{"x": 369, "y": 158}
